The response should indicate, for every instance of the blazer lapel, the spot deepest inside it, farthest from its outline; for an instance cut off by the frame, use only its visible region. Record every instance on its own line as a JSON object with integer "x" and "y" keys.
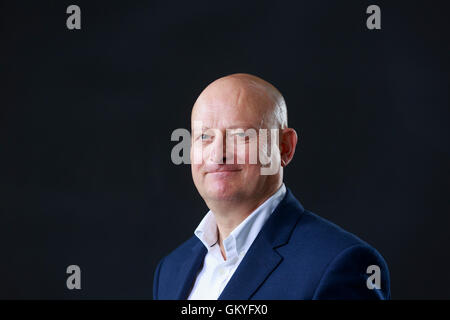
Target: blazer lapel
{"x": 188, "y": 271}
{"x": 262, "y": 258}
{"x": 256, "y": 266}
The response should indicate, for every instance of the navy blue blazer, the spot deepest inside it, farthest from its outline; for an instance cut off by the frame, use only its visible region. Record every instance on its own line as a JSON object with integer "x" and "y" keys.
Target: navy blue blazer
{"x": 296, "y": 255}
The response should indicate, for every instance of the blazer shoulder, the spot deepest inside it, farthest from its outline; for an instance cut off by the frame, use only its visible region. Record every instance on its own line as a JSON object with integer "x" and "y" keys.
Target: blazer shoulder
{"x": 340, "y": 259}
{"x": 324, "y": 237}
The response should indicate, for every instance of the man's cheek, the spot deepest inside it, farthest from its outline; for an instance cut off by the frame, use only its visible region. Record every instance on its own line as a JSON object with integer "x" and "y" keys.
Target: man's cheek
{"x": 197, "y": 154}
{"x": 246, "y": 155}
{"x": 241, "y": 158}
{"x": 196, "y": 171}
{"x": 198, "y": 168}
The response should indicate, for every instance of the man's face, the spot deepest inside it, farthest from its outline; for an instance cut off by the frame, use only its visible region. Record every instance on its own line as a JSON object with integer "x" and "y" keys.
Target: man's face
{"x": 220, "y": 153}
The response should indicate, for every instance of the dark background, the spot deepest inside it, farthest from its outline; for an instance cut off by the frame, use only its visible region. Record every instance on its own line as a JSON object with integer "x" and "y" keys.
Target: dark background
{"x": 86, "y": 118}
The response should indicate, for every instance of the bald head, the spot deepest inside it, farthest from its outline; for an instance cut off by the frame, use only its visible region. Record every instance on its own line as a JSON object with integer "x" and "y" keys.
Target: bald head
{"x": 245, "y": 92}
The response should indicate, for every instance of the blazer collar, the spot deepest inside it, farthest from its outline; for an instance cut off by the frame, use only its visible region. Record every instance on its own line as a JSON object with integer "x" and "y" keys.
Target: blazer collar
{"x": 262, "y": 257}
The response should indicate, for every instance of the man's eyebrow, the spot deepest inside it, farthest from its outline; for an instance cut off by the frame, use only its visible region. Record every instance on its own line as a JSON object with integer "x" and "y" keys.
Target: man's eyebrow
{"x": 242, "y": 127}
{"x": 203, "y": 128}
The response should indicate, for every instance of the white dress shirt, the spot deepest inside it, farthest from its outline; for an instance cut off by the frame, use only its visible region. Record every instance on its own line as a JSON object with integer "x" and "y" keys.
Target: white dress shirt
{"x": 216, "y": 272}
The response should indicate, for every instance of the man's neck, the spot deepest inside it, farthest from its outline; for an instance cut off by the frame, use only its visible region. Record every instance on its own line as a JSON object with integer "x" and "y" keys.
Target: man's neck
{"x": 230, "y": 214}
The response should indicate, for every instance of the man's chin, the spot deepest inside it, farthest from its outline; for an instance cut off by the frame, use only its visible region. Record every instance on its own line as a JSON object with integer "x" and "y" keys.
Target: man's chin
{"x": 222, "y": 192}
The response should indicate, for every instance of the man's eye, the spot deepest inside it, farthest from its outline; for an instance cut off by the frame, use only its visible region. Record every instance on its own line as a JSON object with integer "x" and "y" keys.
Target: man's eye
{"x": 205, "y": 136}
{"x": 241, "y": 134}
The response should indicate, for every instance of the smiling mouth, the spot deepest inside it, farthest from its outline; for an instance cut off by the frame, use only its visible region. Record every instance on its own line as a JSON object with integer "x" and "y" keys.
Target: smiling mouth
{"x": 223, "y": 172}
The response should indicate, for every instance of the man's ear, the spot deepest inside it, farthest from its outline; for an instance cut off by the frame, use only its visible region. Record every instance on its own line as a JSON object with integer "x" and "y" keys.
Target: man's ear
{"x": 288, "y": 142}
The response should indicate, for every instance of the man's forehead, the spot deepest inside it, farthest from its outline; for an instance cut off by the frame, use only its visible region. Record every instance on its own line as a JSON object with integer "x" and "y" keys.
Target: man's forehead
{"x": 228, "y": 117}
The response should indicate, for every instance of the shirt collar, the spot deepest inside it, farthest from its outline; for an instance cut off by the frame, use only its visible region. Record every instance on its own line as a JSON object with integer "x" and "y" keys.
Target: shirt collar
{"x": 240, "y": 239}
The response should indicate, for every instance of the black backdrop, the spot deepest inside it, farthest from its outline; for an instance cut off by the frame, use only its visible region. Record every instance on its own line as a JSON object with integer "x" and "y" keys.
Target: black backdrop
{"x": 86, "y": 118}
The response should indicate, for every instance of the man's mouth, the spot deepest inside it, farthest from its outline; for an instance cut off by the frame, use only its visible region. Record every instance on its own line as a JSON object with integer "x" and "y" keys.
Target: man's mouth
{"x": 223, "y": 170}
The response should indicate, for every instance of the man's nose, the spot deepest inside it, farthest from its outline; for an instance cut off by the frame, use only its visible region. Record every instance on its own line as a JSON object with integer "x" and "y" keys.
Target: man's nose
{"x": 219, "y": 152}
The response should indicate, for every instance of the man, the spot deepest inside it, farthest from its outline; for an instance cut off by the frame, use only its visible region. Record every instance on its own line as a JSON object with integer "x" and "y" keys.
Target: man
{"x": 257, "y": 241}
